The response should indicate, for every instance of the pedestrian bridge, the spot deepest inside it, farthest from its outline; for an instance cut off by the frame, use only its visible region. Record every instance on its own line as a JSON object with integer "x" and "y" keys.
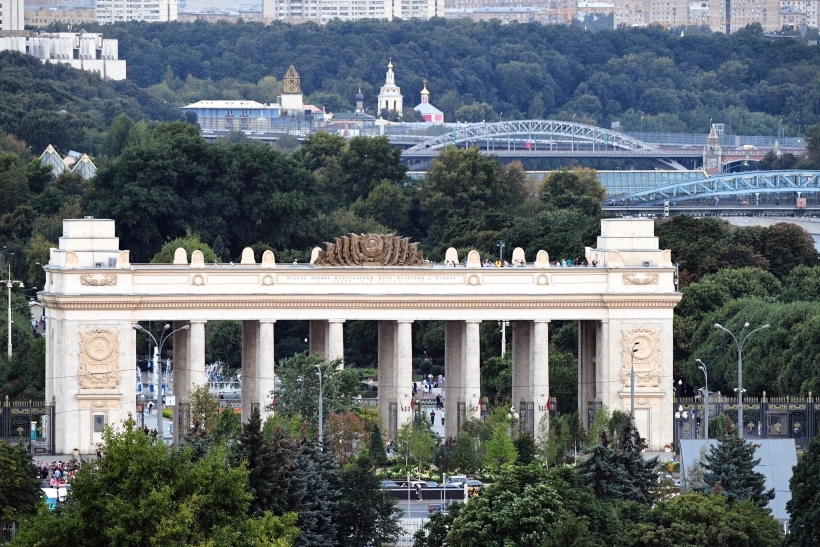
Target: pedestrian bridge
{"x": 544, "y": 135}
{"x": 749, "y": 188}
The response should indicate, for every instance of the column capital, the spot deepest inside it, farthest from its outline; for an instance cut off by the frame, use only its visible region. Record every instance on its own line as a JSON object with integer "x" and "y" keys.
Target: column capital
{"x": 472, "y": 321}
{"x": 542, "y": 321}
{"x": 267, "y": 321}
{"x": 404, "y": 321}
{"x": 336, "y": 320}
{"x": 197, "y": 321}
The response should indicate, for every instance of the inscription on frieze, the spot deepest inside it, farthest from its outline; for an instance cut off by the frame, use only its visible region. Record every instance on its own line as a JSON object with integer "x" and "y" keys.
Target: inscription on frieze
{"x": 369, "y": 279}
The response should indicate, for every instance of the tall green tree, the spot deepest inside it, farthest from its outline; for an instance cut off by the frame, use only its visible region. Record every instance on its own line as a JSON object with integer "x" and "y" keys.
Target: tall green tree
{"x": 729, "y": 470}
{"x": 376, "y": 447}
{"x": 145, "y": 493}
{"x": 252, "y": 451}
{"x": 20, "y": 494}
{"x": 804, "y": 505}
{"x": 366, "y": 512}
{"x": 704, "y": 521}
{"x": 618, "y": 470}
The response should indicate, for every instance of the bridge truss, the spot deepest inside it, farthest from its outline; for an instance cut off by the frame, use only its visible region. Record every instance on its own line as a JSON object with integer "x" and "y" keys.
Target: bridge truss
{"x": 748, "y": 185}
{"x": 536, "y": 135}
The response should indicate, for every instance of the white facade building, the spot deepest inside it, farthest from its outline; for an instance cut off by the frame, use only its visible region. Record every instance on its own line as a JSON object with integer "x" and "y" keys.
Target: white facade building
{"x": 84, "y": 51}
{"x": 94, "y": 295}
{"x": 12, "y": 15}
{"x": 390, "y": 95}
{"x": 351, "y": 10}
{"x": 113, "y": 11}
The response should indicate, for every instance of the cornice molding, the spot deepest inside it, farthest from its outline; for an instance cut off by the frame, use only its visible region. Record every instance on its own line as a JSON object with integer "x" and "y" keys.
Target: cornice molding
{"x": 419, "y": 302}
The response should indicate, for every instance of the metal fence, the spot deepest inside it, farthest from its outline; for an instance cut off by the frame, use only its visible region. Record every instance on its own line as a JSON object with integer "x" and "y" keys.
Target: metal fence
{"x": 7, "y": 533}
{"x": 29, "y": 423}
{"x": 795, "y": 418}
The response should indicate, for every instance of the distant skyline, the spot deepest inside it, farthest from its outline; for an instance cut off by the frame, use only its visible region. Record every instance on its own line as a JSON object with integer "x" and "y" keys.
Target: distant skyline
{"x": 203, "y": 5}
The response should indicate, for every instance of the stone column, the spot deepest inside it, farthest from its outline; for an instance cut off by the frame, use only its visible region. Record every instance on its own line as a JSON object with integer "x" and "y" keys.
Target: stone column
{"x": 250, "y": 367}
{"x": 387, "y": 384}
{"x": 520, "y": 362}
{"x": 335, "y": 342}
{"x": 453, "y": 345}
{"x": 404, "y": 369}
{"x": 267, "y": 363}
{"x": 317, "y": 337}
{"x": 196, "y": 355}
{"x": 587, "y": 358}
{"x": 539, "y": 371}
{"x": 180, "y": 355}
{"x": 471, "y": 369}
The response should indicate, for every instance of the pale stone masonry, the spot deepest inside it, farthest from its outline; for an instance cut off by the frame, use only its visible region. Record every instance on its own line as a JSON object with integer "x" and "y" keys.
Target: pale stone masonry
{"x": 94, "y": 295}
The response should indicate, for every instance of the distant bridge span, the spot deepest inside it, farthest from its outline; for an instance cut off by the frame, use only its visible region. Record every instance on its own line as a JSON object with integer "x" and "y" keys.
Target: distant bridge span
{"x": 538, "y": 134}
{"x": 750, "y": 185}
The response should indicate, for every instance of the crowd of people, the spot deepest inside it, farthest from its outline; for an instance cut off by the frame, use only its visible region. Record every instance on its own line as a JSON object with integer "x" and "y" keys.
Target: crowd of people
{"x": 59, "y": 473}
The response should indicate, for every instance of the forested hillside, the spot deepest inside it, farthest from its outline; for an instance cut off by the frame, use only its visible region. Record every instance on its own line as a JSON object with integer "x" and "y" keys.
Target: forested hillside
{"x": 69, "y": 108}
{"x": 482, "y": 71}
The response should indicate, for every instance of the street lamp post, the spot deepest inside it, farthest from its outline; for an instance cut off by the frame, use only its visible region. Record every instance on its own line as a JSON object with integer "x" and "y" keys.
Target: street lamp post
{"x": 632, "y": 384}
{"x": 702, "y": 367}
{"x": 681, "y": 416}
{"x": 157, "y": 350}
{"x": 9, "y": 284}
{"x": 501, "y": 244}
{"x": 740, "y": 341}
{"x": 321, "y": 428}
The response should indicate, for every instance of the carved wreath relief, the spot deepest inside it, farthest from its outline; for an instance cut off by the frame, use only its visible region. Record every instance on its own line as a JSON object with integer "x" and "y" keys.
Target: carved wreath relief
{"x": 371, "y": 250}
{"x": 631, "y": 278}
{"x": 105, "y": 280}
{"x": 647, "y": 358}
{"x": 99, "y": 359}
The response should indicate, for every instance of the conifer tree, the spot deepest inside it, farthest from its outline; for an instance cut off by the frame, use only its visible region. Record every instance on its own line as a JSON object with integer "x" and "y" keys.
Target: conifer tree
{"x": 255, "y": 452}
{"x": 804, "y": 507}
{"x": 377, "y": 452}
{"x": 729, "y": 468}
{"x": 366, "y": 512}
{"x": 618, "y": 470}
{"x": 463, "y": 457}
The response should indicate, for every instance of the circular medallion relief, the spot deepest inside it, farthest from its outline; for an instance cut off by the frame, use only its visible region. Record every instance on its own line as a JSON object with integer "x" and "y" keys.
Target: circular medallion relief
{"x": 198, "y": 279}
{"x": 542, "y": 279}
{"x": 267, "y": 279}
{"x": 98, "y": 347}
{"x": 474, "y": 280}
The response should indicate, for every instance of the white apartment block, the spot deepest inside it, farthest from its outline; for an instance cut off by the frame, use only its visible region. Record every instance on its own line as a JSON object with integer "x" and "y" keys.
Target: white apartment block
{"x": 84, "y": 51}
{"x": 707, "y": 13}
{"x": 351, "y": 10}
{"x": 113, "y": 11}
{"x": 12, "y": 15}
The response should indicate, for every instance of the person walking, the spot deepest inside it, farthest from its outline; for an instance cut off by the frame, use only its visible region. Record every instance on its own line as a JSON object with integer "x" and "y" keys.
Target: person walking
{"x": 432, "y": 418}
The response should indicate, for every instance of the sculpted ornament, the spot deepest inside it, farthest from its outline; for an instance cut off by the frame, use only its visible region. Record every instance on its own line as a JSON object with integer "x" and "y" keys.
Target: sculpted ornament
{"x": 99, "y": 359}
{"x": 632, "y": 278}
{"x": 647, "y": 358}
{"x": 92, "y": 280}
{"x": 371, "y": 250}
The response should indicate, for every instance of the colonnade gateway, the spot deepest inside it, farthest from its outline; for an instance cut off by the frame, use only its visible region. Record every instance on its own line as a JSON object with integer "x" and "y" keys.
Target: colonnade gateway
{"x": 94, "y": 296}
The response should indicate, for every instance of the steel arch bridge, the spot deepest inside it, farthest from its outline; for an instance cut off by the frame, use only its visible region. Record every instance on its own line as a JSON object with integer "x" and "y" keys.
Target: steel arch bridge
{"x": 551, "y": 134}
{"x": 735, "y": 185}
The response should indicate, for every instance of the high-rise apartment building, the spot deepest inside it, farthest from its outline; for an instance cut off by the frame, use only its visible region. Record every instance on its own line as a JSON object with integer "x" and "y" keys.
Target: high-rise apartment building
{"x": 351, "y": 10}
{"x": 703, "y": 13}
{"x": 113, "y": 11}
{"x": 12, "y": 15}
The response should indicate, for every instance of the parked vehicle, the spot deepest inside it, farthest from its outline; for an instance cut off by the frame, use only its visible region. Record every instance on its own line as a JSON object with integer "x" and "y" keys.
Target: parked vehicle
{"x": 437, "y": 507}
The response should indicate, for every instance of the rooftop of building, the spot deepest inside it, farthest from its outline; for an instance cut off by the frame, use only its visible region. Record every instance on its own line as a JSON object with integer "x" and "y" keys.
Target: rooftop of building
{"x": 229, "y": 104}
